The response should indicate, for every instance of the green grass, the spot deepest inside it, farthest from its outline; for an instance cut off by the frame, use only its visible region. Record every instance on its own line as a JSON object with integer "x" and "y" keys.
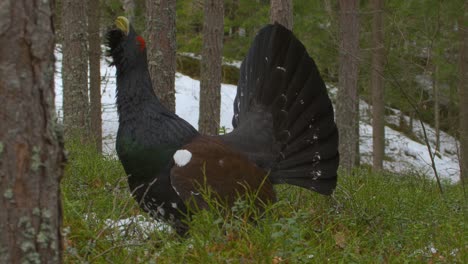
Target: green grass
{"x": 371, "y": 218}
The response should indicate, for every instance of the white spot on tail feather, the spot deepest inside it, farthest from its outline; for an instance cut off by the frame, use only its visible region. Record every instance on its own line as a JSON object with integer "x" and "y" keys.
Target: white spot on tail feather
{"x": 174, "y": 205}
{"x": 182, "y": 157}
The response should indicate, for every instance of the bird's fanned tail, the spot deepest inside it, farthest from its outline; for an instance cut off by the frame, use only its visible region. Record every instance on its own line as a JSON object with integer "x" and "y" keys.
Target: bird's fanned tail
{"x": 281, "y": 83}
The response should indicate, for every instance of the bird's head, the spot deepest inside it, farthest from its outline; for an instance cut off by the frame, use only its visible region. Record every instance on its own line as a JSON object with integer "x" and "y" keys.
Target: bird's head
{"x": 125, "y": 46}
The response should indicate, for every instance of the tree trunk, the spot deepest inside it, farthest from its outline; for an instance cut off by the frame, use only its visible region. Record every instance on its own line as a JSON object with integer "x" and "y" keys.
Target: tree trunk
{"x": 210, "y": 75}
{"x": 94, "y": 42}
{"x": 463, "y": 95}
{"x": 129, "y": 8}
{"x": 435, "y": 90}
{"x": 281, "y": 11}
{"x": 347, "y": 114}
{"x": 75, "y": 70}
{"x": 378, "y": 103}
{"x": 161, "y": 35}
{"x": 31, "y": 147}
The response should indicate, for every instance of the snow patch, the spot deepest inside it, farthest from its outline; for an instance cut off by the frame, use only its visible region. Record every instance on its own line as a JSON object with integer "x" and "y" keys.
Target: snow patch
{"x": 136, "y": 226}
{"x": 182, "y": 157}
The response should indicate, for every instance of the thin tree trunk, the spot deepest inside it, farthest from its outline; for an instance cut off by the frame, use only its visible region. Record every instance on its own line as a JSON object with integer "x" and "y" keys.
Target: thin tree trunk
{"x": 75, "y": 70}
{"x": 161, "y": 36}
{"x": 210, "y": 75}
{"x": 281, "y": 11}
{"x": 463, "y": 95}
{"x": 129, "y": 8}
{"x": 94, "y": 42}
{"x": 31, "y": 147}
{"x": 435, "y": 90}
{"x": 378, "y": 103}
{"x": 347, "y": 114}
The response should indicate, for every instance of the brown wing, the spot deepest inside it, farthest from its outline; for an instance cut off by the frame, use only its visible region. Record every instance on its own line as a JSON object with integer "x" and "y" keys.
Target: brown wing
{"x": 228, "y": 173}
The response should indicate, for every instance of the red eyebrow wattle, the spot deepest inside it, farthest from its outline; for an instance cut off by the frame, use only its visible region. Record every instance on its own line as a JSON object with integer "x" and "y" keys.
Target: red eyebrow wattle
{"x": 142, "y": 42}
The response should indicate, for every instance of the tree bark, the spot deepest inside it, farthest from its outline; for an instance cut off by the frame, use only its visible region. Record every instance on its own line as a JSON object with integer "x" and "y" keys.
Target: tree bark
{"x": 347, "y": 114}
{"x": 463, "y": 95}
{"x": 31, "y": 149}
{"x": 210, "y": 75}
{"x": 281, "y": 11}
{"x": 94, "y": 42}
{"x": 377, "y": 84}
{"x": 129, "y": 8}
{"x": 75, "y": 70}
{"x": 161, "y": 36}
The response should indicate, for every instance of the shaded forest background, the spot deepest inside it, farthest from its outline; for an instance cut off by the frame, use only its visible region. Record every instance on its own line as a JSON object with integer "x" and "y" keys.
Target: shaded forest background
{"x": 421, "y": 46}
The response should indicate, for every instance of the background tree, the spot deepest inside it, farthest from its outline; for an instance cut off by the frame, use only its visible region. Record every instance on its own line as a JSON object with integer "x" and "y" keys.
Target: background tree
{"x": 31, "y": 153}
{"x": 463, "y": 94}
{"x": 161, "y": 38}
{"x": 347, "y": 105}
{"x": 94, "y": 42}
{"x": 75, "y": 69}
{"x": 129, "y": 8}
{"x": 210, "y": 70}
{"x": 281, "y": 11}
{"x": 377, "y": 85}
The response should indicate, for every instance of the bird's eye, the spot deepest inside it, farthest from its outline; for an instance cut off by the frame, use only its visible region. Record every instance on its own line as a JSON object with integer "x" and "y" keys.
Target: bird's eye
{"x": 141, "y": 43}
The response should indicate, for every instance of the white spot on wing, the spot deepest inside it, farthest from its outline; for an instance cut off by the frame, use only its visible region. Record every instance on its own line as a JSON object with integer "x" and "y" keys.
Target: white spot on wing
{"x": 182, "y": 157}
{"x": 281, "y": 68}
{"x": 174, "y": 205}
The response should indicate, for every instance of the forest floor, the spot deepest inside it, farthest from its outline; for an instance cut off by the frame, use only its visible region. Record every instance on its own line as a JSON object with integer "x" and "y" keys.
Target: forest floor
{"x": 370, "y": 218}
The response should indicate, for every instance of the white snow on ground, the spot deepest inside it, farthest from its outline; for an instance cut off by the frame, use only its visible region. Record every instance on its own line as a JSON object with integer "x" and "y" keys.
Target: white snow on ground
{"x": 404, "y": 154}
{"x": 136, "y": 226}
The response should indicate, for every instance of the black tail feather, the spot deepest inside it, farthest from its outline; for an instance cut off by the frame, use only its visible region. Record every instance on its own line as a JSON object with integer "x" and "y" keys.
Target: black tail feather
{"x": 280, "y": 79}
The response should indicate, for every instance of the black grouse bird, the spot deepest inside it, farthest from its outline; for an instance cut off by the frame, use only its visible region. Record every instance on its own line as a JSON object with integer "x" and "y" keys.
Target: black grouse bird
{"x": 283, "y": 122}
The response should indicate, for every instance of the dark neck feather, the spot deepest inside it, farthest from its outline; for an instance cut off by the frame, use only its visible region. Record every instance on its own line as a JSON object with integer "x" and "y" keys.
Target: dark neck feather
{"x": 135, "y": 92}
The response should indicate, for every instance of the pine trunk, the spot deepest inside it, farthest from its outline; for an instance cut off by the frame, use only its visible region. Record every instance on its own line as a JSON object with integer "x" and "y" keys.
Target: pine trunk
{"x": 129, "y": 8}
{"x": 210, "y": 75}
{"x": 94, "y": 42}
{"x": 161, "y": 38}
{"x": 75, "y": 70}
{"x": 31, "y": 147}
{"x": 378, "y": 103}
{"x": 463, "y": 95}
{"x": 281, "y": 11}
{"x": 347, "y": 110}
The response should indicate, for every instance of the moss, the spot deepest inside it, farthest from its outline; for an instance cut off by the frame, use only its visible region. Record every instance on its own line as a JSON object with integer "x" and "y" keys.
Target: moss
{"x": 8, "y": 194}
{"x": 191, "y": 67}
{"x": 36, "y": 159}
